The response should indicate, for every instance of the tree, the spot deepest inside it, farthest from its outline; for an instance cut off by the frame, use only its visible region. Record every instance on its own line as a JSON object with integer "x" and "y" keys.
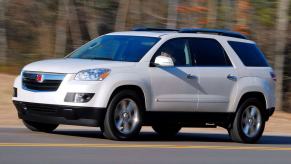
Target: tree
{"x": 3, "y": 39}
{"x": 229, "y": 11}
{"x": 154, "y": 15}
{"x": 44, "y": 13}
{"x": 122, "y": 13}
{"x": 281, "y": 31}
{"x": 74, "y": 25}
{"x": 67, "y": 23}
{"x": 242, "y": 15}
{"x": 172, "y": 13}
{"x": 134, "y": 15}
{"x": 92, "y": 20}
{"x": 212, "y": 13}
{"x": 61, "y": 28}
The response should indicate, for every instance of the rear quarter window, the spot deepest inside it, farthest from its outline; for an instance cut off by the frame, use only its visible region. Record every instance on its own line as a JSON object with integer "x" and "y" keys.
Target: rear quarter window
{"x": 249, "y": 54}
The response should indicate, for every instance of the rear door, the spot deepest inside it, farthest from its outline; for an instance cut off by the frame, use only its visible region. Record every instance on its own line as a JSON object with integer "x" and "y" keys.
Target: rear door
{"x": 217, "y": 76}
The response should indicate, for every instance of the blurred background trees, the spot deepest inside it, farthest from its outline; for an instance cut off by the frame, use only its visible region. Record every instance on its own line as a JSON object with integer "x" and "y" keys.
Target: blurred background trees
{"x": 32, "y": 29}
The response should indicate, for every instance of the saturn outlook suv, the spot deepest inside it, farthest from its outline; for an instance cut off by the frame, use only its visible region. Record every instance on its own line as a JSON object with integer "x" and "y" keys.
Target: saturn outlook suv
{"x": 163, "y": 78}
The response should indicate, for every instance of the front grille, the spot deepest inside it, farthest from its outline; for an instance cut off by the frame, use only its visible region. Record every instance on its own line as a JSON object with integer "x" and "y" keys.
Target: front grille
{"x": 41, "y": 81}
{"x": 41, "y": 109}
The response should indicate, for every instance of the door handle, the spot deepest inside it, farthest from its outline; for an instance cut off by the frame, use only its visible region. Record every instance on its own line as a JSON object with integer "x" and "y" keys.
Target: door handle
{"x": 189, "y": 76}
{"x": 231, "y": 77}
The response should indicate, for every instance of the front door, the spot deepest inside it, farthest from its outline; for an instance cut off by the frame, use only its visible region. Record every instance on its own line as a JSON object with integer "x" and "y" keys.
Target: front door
{"x": 174, "y": 88}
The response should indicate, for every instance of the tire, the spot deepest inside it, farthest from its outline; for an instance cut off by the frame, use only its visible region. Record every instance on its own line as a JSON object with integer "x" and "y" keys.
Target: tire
{"x": 123, "y": 118}
{"x": 249, "y": 122}
{"x": 101, "y": 128}
{"x": 39, "y": 127}
{"x": 166, "y": 131}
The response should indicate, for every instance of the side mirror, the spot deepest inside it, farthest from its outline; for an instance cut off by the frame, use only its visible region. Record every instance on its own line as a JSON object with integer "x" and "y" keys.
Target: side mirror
{"x": 164, "y": 61}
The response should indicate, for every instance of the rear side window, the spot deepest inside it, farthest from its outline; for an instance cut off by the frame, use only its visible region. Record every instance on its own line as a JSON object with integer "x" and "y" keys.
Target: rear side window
{"x": 249, "y": 54}
{"x": 208, "y": 53}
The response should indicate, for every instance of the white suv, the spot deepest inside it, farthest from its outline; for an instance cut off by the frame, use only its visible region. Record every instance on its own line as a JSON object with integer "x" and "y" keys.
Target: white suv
{"x": 167, "y": 79}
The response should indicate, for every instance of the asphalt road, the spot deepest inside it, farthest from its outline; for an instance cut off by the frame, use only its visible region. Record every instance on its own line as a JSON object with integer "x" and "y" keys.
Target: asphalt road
{"x": 74, "y": 146}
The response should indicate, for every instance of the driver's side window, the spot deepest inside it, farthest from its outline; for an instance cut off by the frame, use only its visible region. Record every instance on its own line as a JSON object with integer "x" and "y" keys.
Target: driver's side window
{"x": 178, "y": 50}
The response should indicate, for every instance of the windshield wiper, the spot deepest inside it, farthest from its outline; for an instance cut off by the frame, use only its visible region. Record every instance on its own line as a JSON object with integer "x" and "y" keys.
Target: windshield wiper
{"x": 101, "y": 58}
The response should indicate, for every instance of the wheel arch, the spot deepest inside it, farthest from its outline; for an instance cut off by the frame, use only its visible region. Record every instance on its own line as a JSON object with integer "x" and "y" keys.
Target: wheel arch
{"x": 134, "y": 87}
{"x": 253, "y": 94}
{"x": 244, "y": 96}
{"x": 252, "y": 87}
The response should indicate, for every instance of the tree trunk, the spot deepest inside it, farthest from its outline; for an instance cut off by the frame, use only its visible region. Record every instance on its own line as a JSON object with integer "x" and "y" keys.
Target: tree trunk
{"x": 67, "y": 20}
{"x": 108, "y": 18}
{"x": 74, "y": 25}
{"x": 135, "y": 14}
{"x": 121, "y": 17}
{"x": 242, "y": 16}
{"x": 45, "y": 40}
{"x": 153, "y": 15}
{"x": 172, "y": 14}
{"x": 281, "y": 31}
{"x": 61, "y": 28}
{"x": 189, "y": 19}
{"x": 228, "y": 13}
{"x": 212, "y": 13}
{"x": 45, "y": 33}
{"x": 92, "y": 18}
{"x": 3, "y": 39}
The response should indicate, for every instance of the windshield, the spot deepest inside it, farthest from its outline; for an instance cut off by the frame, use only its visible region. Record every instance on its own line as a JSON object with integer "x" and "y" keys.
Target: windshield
{"x": 116, "y": 48}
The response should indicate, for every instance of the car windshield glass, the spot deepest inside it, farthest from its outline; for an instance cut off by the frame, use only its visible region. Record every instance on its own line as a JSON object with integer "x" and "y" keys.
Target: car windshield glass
{"x": 116, "y": 48}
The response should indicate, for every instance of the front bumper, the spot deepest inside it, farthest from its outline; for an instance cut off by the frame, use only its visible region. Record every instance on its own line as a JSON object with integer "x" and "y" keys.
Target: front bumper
{"x": 68, "y": 85}
{"x": 60, "y": 114}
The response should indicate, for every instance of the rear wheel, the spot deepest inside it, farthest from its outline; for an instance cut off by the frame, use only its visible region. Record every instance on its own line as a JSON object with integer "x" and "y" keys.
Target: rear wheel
{"x": 123, "y": 119}
{"x": 249, "y": 123}
{"x": 166, "y": 131}
{"x": 40, "y": 127}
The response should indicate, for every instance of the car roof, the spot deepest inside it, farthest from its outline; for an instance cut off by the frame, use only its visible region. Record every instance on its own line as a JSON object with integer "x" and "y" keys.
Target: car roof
{"x": 156, "y": 34}
{"x": 161, "y": 34}
{"x": 165, "y": 31}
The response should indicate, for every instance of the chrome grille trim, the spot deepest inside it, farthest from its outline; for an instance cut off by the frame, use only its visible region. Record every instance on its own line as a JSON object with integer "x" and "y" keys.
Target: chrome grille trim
{"x": 51, "y": 81}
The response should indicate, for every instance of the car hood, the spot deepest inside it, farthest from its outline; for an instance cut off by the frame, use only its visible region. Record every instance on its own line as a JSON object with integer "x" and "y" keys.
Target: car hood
{"x": 69, "y": 65}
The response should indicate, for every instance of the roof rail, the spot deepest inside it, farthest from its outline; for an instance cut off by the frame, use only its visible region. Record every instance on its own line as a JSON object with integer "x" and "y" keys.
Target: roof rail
{"x": 153, "y": 29}
{"x": 213, "y": 31}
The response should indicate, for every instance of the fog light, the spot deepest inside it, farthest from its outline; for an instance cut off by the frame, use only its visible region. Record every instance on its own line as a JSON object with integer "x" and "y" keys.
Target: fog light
{"x": 79, "y": 97}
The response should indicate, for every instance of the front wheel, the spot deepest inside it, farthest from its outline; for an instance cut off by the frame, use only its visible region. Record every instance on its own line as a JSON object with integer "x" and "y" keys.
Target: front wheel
{"x": 249, "y": 123}
{"x": 40, "y": 127}
{"x": 123, "y": 119}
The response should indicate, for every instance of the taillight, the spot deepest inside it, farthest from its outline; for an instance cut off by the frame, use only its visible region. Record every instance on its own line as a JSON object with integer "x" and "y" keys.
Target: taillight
{"x": 273, "y": 76}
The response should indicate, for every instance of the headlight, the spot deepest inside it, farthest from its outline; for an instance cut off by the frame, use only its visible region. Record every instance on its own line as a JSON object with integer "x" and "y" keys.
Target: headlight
{"x": 97, "y": 74}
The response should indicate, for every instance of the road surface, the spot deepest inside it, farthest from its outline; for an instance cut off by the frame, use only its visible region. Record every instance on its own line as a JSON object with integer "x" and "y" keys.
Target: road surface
{"x": 87, "y": 145}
